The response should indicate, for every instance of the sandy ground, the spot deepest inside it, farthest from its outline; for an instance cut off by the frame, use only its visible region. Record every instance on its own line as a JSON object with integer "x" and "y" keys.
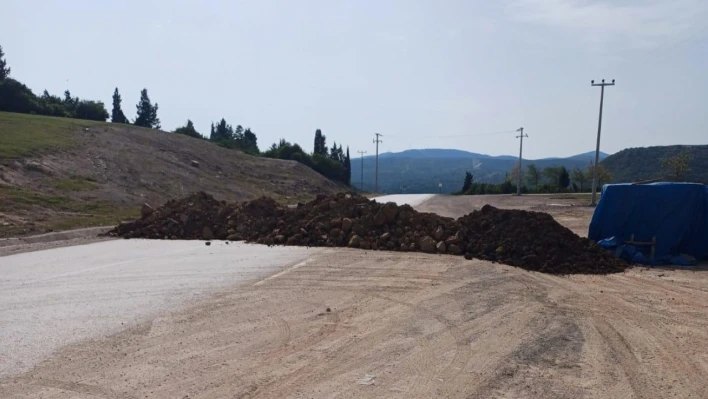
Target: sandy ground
{"x": 362, "y": 324}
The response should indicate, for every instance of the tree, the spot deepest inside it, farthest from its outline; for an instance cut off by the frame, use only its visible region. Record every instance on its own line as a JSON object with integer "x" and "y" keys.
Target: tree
{"x": 91, "y": 110}
{"x": 678, "y": 165}
{"x": 4, "y": 69}
{"x": 348, "y": 167}
{"x": 563, "y": 178}
{"x": 468, "y": 182}
{"x": 579, "y": 177}
{"x": 603, "y": 175}
{"x": 320, "y": 143}
{"x": 222, "y": 133}
{"x": 117, "y": 115}
{"x": 189, "y": 130}
{"x": 552, "y": 174}
{"x": 147, "y": 113}
{"x": 249, "y": 143}
{"x": 533, "y": 175}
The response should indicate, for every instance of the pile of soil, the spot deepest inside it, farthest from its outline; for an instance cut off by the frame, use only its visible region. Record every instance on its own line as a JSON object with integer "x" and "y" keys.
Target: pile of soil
{"x": 530, "y": 240}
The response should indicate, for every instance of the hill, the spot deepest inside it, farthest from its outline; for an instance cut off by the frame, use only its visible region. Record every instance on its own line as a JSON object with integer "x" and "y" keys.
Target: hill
{"x": 58, "y": 173}
{"x": 637, "y": 164}
{"x": 421, "y": 171}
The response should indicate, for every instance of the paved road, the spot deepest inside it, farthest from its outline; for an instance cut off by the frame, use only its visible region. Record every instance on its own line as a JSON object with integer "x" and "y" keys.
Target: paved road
{"x": 401, "y": 199}
{"x": 56, "y": 297}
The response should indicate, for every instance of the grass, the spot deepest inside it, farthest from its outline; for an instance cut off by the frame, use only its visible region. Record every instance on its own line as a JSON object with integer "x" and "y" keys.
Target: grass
{"x": 54, "y": 213}
{"x": 76, "y": 184}
{"x": 24, "y": 135}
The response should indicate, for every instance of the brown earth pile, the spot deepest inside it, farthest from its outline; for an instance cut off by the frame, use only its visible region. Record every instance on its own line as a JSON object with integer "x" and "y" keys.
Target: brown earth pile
{"x": 530, "y": 240}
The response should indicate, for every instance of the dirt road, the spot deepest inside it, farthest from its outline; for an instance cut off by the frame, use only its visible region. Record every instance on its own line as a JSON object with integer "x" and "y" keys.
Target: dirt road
{"x": 363, "y": 324}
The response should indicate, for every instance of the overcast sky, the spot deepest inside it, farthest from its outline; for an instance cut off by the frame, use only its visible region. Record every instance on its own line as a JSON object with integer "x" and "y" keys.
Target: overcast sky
{"x": 418, "y": 72}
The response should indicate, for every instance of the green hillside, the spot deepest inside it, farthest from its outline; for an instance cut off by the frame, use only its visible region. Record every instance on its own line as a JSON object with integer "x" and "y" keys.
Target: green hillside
{"x": 637, "y": 164}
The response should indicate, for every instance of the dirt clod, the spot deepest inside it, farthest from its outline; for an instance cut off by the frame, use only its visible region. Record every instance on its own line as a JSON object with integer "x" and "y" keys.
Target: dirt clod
{"x": 529, "y": 240}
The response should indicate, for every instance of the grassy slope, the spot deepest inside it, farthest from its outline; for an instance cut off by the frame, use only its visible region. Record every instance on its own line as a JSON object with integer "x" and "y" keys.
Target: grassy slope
{"x": 58, "y": 173}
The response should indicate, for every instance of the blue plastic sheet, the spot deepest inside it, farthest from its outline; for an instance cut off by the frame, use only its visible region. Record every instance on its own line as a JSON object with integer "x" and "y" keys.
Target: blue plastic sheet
{"x": 675, "y": 213}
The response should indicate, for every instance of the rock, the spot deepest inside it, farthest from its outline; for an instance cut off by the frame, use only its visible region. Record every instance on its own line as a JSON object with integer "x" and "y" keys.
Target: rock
{"x": 469, "y": 256}
{"x": 233, "y": 237}
{"x": 207, "y": 234}
{"x": 439, "y": 232}
{"x": 365, "y": 245}
{"x": 454, "y": 249}
{"x": 279, "y": 239}
{"x": 208, "y": 243}
{"x": 184, "y": 218}
{"x": 390, "y": 211}
{"x": 441, "y": 247}
{"x": 390, "y": 246}
{"x": 335, "y": 232}
{"x": 411, "y": 247}
{"x": 385, "y": 236}
{"x": 195, "y": 163}
{"x": 404, "y": 247}
{"x": 146, "y": 210}
{"x": 354, "y": 242}
{"x": 346, "y": 224}
{"x": 359, "y": 230}
{"x": 379, "y": 218}
{"x": 499, "y": 249}
{"x": 427, "y": 244}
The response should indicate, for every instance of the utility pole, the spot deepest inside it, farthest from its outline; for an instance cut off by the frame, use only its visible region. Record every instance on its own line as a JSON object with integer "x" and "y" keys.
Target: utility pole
{"x": 362, "y": 168}
{"x": 377, "y": 141}
{"x": 599, "y": 128}
{"x": 521, "y": 148}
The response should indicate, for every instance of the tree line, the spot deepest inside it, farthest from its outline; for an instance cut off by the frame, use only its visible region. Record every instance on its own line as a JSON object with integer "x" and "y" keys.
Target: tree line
{"x": 553, "y": 179}
{"x": 332, "y": 163}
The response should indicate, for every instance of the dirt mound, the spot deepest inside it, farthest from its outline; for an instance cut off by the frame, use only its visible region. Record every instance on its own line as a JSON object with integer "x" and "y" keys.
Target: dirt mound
{"x": 530, "y": 240}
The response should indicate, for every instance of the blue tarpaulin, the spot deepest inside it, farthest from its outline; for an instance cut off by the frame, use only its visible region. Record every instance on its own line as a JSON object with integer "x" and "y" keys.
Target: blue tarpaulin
{"x": 675, "y": 213}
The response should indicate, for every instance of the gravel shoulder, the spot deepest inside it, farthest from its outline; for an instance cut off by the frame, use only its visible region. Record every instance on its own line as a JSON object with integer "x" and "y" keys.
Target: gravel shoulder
{"x": 407, "y": 325}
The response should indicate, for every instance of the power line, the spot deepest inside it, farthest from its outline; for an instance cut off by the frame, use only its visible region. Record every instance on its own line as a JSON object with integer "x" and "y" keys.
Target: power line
{"x": 455, "y": 136}
{"x": 599, "y": 129}
{"x": 362, "y": 168}
{"x": 377, "y": 141}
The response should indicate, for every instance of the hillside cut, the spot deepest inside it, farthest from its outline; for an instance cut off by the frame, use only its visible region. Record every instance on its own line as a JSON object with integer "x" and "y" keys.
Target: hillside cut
{"x": 529, "y": 240}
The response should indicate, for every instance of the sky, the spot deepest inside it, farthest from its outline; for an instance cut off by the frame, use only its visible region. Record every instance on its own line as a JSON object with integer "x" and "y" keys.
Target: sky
{"x": 426, "y": 74}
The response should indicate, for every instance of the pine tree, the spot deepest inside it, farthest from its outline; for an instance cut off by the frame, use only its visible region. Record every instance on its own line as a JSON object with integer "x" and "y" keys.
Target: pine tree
{"x": 117, "y": 115}
{"x": 348, "y": 168}
{"x": 320, "y": 143}
{"x": 147, "y": 113}
{"x": 189, "y": 130}
{"x": 563, "y": 178}
{"x": 4, "y": 69}
{"x": 468, "y": 182}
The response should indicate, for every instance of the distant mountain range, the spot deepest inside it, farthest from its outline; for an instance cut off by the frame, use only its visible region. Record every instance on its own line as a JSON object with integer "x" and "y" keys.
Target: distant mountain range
{"x": 422, "y": 170}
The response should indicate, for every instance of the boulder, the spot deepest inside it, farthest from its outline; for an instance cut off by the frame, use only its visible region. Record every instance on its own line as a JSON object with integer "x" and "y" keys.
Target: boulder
{"x": 441, "y": 247}
{"x": 360, "y": 230}
{"x": 439, "y": 232}
{"x": 346, "y": 224}
{"x": 354, "y": 242}
{"x": 207, "y": 234}
{"x": 454, "y": 249}
{"x": 427, "y": 244}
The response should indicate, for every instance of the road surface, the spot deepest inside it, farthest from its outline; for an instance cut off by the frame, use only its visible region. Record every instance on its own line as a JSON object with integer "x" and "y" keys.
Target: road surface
{"x": 405, "y": 199}
{"x": 52, "y": 298}
{"x": 166, "y": 319}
